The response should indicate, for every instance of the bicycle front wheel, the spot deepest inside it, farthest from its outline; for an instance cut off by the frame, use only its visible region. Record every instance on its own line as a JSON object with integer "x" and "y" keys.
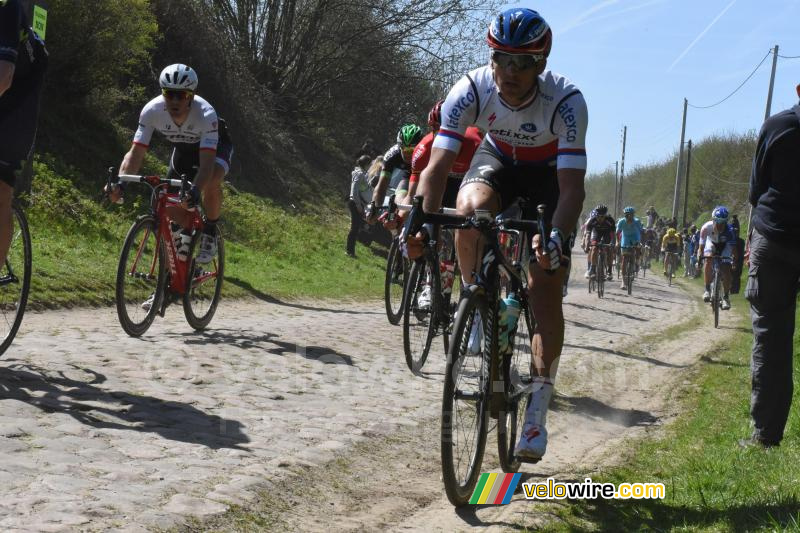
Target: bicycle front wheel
{"x": 420, "y": 309}
{"x": 715, "y": 299}
{"x": 601, "y": 276}
{"x": 141, "y": 277}
{"x": 466, "y": 397}
{"x": 630, "y": 277}
{"x": 15, "y": 278}
{"x": 394, "y": 283}
{"x": 517, "y": 379}
{"x": 203, "y": 284}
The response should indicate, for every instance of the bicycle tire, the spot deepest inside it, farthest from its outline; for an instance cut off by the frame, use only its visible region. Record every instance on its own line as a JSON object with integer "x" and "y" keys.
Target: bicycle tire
{"x": 517, "y": 378}
{"x": 461, "y": 385}
{"x": 601, "y": 277}
{"x": 715, "y": 299}
{"x": 394, "y": 277}
{"x": 629, "y": 276}
{"x": 13, "y": 302}
{"x": 669, "y": 271}
{"x": 423, "y": 322}
{"x": 203, "y": 286}
{"x": 134, "y": 286}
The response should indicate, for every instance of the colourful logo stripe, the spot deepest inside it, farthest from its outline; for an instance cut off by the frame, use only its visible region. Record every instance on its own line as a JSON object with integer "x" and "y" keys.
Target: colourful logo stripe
{"x": 487, "y": 489}
{"x": 476, "y": 495}
{"x": 513, "y": 481}
{"x": 498, "y": 485}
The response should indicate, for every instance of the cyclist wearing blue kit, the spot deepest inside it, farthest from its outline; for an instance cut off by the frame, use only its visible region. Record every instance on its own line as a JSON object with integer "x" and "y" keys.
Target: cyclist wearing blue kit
{"x": 629, "y": 235}
{"x": 717, "y": 237}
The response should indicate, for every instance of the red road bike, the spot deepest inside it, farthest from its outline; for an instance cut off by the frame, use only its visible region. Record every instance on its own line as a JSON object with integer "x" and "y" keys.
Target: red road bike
{"x": 151, "y": 275}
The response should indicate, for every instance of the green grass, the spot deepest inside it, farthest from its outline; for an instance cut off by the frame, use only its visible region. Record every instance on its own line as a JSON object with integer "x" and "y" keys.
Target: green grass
{"x": 711, "y": 483}
{"x": 271, "y": 251}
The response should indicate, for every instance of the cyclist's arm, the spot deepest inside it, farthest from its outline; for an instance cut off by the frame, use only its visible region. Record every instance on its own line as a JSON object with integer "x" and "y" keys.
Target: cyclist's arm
{"x": 433, "y": 180}
{"x": 570, "y": 199}
{"x": 6, "y": 75}
{"x": 133, "y": 160}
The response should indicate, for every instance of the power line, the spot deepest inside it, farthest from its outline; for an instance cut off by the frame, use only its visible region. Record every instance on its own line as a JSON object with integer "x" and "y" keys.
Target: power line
{"x": 788, "y": 57}
{"x": 714, "y": 176}
{"x": 739, "y": 87}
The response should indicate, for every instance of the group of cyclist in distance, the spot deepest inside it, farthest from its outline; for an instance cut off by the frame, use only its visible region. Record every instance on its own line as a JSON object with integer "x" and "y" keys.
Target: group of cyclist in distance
{"x": 717, "y": 237}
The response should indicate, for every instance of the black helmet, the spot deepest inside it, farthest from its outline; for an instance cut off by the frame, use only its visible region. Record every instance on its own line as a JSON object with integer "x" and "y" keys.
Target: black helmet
{"x": 601, "y": 209}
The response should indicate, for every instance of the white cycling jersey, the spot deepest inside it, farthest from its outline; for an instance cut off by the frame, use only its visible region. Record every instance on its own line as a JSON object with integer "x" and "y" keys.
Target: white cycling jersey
{"x": 549, "y": 129}
{"x": 201, "y": 126}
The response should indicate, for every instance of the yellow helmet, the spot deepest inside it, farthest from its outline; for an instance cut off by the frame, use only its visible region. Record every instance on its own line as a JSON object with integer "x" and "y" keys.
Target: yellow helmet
{"x": 671, "y": 232}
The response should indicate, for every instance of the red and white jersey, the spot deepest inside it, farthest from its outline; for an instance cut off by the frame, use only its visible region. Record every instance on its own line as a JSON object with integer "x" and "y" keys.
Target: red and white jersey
{"x": 548, "y": 130}
{"x": 422, "y": 154}
{"x": 200, "y": 127}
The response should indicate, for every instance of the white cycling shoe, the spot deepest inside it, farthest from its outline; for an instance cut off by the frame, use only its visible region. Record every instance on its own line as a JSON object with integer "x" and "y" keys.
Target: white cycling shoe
{"x": 706, "y": 296}
{"x": 424, "y": 298}
{"x": 208, "y": 249}
{"x": 148, "y": 304}
{"x": 475, "y": 342}
{"x": 533, "y": 439}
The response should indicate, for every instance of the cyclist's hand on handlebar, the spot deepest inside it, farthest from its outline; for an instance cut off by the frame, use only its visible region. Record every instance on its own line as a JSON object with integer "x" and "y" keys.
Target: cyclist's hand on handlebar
{"x": 549, "y": 258}
{"x": 190, "y": 198}
{"x": 114, "y": 193}
{"x": 394, "y": 223}
{"x": 414, "y": 245}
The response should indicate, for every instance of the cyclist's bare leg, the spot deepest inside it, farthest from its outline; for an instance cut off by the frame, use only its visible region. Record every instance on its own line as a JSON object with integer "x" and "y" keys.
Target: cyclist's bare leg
{"x": 469, "y": 243}
{"x": 212, "y": 193}
{"x": 6, "y": 219}
{"x": 548, "y": 338}
{"x": 593, "y": 256}
{"x": 707, "y": 270}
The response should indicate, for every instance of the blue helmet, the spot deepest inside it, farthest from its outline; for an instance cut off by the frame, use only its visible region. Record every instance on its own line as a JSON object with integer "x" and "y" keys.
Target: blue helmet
{"x": 520, "y": 31}
{"x": 629, "y": 210}
{"x": 720, "y": 214}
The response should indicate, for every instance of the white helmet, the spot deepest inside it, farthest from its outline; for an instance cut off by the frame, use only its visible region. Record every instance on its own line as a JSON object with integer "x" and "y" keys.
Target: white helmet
{"x": 178, "y": 77}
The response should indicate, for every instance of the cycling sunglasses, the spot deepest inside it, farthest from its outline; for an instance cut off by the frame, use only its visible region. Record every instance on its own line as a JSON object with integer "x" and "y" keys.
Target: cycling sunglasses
{"x": 519, "y": 61}
{"x": 720, "y": 220}
{"x": 170, "y": 94}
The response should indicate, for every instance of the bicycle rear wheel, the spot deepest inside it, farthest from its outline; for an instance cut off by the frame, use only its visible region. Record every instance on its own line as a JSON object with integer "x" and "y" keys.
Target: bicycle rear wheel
{"x": 517, "y": 378}
{"x": 630, "y": 275}
{"x": 420, "y": 310}
{"x": 15, "y": 278}
{"x": 715, "y": 299}
{"x": 394, "y": 283}
{"x": 203, "y": 284}
{"x": 141, "y": 276}
{"x": 466, "y": 397}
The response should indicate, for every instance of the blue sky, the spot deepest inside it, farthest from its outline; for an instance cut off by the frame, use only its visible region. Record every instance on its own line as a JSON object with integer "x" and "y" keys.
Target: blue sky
{"x": 635, "y": 61}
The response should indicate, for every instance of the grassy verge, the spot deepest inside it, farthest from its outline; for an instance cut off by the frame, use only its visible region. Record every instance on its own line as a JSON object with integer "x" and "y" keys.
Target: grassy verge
{"x": 271, "y": 252}
{"x": 711, "y": 483}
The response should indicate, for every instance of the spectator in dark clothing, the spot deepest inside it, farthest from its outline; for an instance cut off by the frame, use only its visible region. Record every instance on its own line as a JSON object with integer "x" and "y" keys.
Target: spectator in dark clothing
{"x": 736, "y": 281}
{"x": 774, "y": 277}
{"x": 360, "y": 194}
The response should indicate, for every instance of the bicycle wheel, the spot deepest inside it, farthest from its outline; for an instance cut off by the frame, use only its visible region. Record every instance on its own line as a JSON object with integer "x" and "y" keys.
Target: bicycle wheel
{"x": 517, "y": 378}
{"x": 203, "y": 284}
{"x": 669, "y": 271}
{"x": 715, "y": 299}
{"x": 141, "y": 276}
{"x": 420, "y": 310}
{"x": 466, "y": 397}
{"x": 15, "y": 278}
{"x": 629, "y": 277}
{"x": 394, "y": 283}
{"x": 601, "y": 275}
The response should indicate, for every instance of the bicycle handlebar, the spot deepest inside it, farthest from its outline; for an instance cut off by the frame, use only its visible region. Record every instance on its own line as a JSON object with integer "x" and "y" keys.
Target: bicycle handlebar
{"x": 133, "y": 178}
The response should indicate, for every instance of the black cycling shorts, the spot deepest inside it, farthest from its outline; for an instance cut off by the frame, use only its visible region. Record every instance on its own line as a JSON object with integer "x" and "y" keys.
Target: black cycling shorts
{"x": 533, "y": 185}
{"x": 18, "y": 121}
{"x": 186, "y": 157}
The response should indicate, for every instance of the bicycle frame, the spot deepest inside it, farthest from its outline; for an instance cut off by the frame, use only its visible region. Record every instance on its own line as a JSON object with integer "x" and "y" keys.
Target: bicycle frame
{"x": 160, "y": 202}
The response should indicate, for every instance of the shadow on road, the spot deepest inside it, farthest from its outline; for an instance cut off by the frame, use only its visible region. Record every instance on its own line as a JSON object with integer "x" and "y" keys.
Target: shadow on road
{"x": 264, "y": 297}
{"x": 85, "y": 401}
{"x": 618, "y": 353}
{"x": 597, "y": 409}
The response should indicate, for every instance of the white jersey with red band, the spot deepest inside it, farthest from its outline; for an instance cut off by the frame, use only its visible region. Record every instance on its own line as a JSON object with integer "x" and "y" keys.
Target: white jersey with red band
{"x": 200, "y": 127}
{"x": 548, "y": 130}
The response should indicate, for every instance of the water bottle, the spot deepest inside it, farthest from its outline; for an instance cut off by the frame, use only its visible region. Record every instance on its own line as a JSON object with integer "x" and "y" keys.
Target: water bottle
{"x": 508, "y": 315}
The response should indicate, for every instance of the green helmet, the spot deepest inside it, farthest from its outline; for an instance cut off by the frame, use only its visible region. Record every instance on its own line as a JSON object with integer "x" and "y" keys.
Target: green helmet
{"x": 409, "y": 135}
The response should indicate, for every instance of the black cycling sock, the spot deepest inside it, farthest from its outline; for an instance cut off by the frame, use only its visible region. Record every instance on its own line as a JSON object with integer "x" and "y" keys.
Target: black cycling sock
{"x": 210, "y": 227}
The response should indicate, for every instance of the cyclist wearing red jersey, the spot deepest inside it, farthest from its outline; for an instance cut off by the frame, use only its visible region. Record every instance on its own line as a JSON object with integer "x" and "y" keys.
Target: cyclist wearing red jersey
{"x": 534, "y": 149}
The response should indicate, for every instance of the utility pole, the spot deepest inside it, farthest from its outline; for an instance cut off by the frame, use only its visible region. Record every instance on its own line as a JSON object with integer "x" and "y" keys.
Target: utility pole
{"x": 771, "y": 81}
{"x": 680, "y": 162}
{"x": 616, "y": 189}
{"x": 686, "y": 185}
{"x": 622, "y": 164}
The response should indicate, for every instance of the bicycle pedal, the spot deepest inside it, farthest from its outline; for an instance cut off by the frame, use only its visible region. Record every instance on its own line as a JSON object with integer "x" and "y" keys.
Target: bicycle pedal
{"x": 527, "y": 460}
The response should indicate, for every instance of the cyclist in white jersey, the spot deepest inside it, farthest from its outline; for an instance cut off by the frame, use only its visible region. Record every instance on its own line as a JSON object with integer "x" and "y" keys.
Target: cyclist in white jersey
{"x": 201, "y": 147}
{"x": 534, "y": 149}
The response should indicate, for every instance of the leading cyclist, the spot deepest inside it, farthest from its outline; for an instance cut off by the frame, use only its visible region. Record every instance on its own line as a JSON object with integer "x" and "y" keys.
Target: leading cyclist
{"x": 201, "y": 147}
{"x": 718, "y": 238}
{"x": 534, "y": 149}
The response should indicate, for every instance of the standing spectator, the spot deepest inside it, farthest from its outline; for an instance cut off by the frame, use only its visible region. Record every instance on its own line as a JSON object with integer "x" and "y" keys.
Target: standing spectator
{"x": 652, "y": 216}
{"x": 736, "y": 282}
{"x": 360, "y": 195}
{"x": 772, "y": 283}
